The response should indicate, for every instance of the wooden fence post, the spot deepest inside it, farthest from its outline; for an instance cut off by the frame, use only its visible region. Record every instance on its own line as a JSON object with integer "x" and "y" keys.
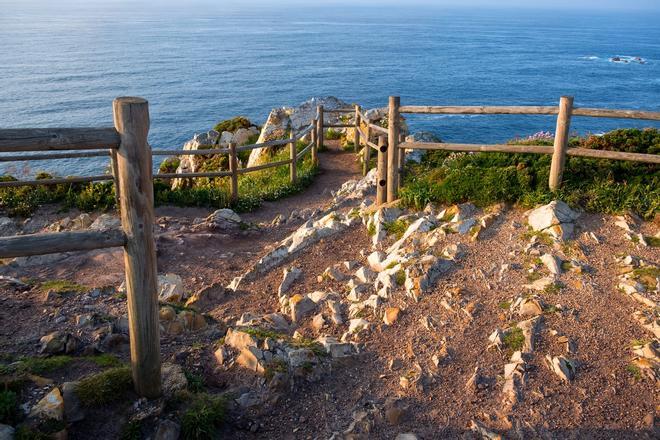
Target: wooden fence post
{"x": 320, "y": 134}
{"x": 357, "y": 131}
{"x": 401, "y": 160}
{"x": 392, "y": 148}
{"x": 115, "y": 175}
{"x": 367, "y": 151}
{"x": 315, "y": 142}
{"x": 134, "y": 162}
{"x": 293, "y": 172}
{"x": 561, "y": 142}
{"x": 233, "y": 167}
{"x": 381, "y": 180}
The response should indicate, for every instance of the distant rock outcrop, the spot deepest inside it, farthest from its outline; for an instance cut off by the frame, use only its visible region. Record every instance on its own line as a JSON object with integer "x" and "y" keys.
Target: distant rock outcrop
{"x": 282, "y": 120}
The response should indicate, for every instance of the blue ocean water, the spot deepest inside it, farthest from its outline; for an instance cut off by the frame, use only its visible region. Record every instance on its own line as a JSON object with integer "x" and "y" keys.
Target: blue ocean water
{"x": 63, "y": 63}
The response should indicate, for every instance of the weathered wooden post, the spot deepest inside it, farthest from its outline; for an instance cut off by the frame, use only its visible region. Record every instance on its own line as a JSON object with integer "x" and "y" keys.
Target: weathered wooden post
{"x": 561, "y": 142}
{"x": 401, "y": 160}
{"x": 315, "y": 142}
{"x": 367, "y": 151}
{"x": 320, "y": 134}
{"x": 393, "y": 148}
{"x": 115, "y": 175}
{"x": 381, "y": 180}
{"x": 357, "y": 129}
{"x": 293, "y": 172}
{"x": 233, "y": 168}
{"x": 134, "y": 163}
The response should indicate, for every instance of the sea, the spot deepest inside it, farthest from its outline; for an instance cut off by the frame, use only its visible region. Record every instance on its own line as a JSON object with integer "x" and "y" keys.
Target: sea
{"x": 63, "y": 62}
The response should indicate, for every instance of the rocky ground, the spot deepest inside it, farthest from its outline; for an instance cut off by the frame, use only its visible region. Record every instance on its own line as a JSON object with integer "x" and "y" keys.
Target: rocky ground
{"x": 323, "y": 318}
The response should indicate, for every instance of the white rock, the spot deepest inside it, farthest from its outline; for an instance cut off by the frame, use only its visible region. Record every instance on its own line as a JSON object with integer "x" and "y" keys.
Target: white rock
{"x": 552, "y": 263}
{"x": 289, "y": 277}
{"x": 105, "y": 222}
{"x": 554, "y": 213}
{"x": 365, "y": 275}
{"x": 357, "y": 325}
{"x": 562, "y": 367}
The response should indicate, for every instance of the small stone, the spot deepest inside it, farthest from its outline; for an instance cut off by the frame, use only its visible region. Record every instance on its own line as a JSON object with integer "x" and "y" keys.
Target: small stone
{"x": 391, "y": 315}
{"x": 301, "y": 307}
{"x": 167, "y": 313}
{"x": 167, "y": 430}
{"x": 318, "y": 322}
{"x": 406, "y": 436}
{"x": 562, "y": 367}
{"x": 50, "y": 407}
{"x": 54, "y": 343}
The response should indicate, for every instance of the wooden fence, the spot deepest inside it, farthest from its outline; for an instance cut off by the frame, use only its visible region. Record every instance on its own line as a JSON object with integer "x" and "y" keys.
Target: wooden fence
{"x": 131, "y": 164}
{"x": 391, "y": 146}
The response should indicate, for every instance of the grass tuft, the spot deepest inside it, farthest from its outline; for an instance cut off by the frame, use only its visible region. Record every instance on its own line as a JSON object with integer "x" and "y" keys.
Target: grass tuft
{"x": 105, "y": 387}
{"x": 514, "y": 339}
{"x": 203, "y": 417}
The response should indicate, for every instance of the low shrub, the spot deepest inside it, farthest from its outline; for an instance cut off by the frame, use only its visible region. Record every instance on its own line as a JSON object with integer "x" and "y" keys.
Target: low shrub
{"x": 597, "y": 185}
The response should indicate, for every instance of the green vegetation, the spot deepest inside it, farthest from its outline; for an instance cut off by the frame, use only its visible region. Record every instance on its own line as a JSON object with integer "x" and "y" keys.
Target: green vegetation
{"x": 634, "y": 371}
{"x": 131, "y": 431}
{"x": 169, "y": 165}
{"x": 504, "y": 305}
{"x": 203, "y": 417}
{"x": 397, "y": 227}
{"x": 653, "y": 241}
{"x": 514, "y": 339}
{"x": 62, "y": 286}
{"x": 233, "y": 124}
{"x": 275, "y": 366}
{"x": 195, "y": 381}
{"x": 43, "y": 365}
{"x": 597, "y": 185}
{"x": 253, "y": 189}
{"x": 105, "y": 387}
{"x": 332, "y": 134}
{"x": 8, "y": 407}
{"x": 371, "y": 229}
{"x": 400, "y": 277}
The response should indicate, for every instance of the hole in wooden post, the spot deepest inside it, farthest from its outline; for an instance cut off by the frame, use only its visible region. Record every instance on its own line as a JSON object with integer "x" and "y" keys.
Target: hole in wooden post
{"x": 383, "y": 148}
{"x": 382, "y": 182}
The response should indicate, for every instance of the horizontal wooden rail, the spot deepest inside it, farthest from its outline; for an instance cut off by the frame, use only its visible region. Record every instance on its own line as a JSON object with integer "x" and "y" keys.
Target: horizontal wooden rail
{"x": 52, "y": 243}
{"x": 616, "y": 114}
{"x": 530, "y": 110}
{"x": 190, "y": 152}
{"x": 82, "y": 179}
{"x": 533, "y": 149}
{"x": 338, "y": 125}
{"x": 191, "y": 175}
{"x": 340, "y": 110}
{"x": 52, "y": 156}
{"x": 372, "y": 145}
{"x": 378, "y": 128}
{"x": 48, "y": 139}
{"x": 480, "y": 110}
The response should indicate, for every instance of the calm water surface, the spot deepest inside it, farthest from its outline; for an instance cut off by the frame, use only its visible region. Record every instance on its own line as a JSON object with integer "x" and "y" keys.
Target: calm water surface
{"x": 62, "y": 65}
